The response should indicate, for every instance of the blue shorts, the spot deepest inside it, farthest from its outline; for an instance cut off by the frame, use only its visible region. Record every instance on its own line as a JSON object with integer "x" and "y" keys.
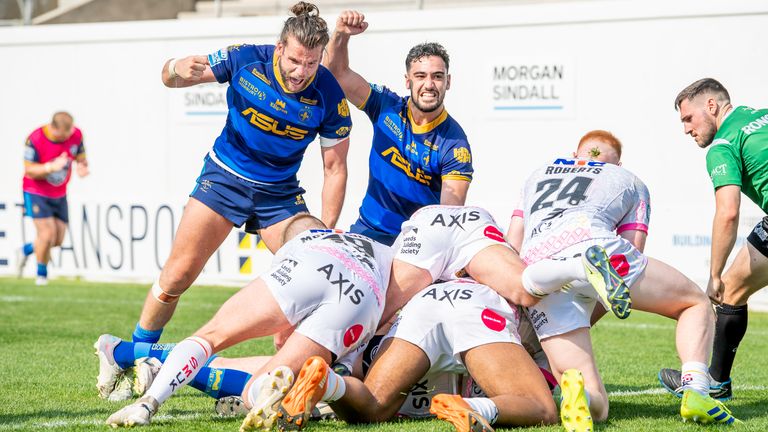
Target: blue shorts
{"x": 361, "y": 227}
{"x": 244, "y": 202}
{"x": 38, "y": 206}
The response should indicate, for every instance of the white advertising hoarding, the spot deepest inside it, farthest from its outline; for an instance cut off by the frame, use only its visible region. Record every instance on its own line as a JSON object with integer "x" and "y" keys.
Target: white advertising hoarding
{"x": 527, "y": 82}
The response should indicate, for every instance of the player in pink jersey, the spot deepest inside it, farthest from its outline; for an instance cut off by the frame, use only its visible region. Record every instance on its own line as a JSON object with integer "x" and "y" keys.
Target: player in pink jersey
{"x": 48, "y": 156}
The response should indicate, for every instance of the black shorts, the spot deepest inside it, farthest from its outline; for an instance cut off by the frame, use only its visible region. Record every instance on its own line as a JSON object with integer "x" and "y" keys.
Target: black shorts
{"x": 759, "y": 237}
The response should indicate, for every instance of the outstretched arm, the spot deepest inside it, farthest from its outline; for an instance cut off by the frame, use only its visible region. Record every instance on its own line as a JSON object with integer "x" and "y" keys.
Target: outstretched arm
{"x": 355, "y": 87}
{"x": 187, "y": 71}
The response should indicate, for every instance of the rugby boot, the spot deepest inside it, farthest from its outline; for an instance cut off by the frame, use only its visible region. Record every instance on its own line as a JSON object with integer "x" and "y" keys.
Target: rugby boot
{"x": 455, "y": 410}
{"x": 671, "y": 381}
{"x": 703, "y": 409}
{"x": 574, "y": 408}
{"x": 145, "y": 370}
{"x": 109, "y": 371}
{"x": 272, "y": 390}
{"x": 295, "y": 409}
{"x": 138, "y": 413}
{"x": 230, "y": 406}
{"x": 608, "y": 284}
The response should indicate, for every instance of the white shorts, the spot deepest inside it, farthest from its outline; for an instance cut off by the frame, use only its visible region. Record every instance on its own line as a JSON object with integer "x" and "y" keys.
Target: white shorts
{"x": 443, "y": 239}
{"x": 330, "y": 299}
{"x": 562, "y": 312}
{"x": 447, "y": 319}
{"x": 419, "y": 397}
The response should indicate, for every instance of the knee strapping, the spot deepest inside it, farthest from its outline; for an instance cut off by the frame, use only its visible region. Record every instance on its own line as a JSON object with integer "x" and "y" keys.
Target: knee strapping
{"x": 162, "y": 296}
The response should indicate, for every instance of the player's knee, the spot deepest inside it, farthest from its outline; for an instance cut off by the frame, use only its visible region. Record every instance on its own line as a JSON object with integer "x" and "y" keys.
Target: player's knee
{"x": 176, "y": 278}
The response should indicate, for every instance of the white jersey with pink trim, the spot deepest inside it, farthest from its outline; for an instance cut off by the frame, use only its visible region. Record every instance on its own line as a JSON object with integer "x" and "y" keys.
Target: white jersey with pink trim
{"x": 571, "y": 200}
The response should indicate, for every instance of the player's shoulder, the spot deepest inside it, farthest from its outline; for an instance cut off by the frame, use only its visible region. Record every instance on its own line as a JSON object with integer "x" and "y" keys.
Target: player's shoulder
{"x": 243, "y": 53}
{"x": 37, "y": 135}
{"x": 453, "y": 130}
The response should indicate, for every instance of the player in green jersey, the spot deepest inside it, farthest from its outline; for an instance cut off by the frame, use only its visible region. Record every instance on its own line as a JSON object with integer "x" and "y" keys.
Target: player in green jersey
{"x": 737, "y": 161}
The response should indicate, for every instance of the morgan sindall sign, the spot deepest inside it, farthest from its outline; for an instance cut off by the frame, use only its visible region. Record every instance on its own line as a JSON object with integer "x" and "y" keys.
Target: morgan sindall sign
{"x": 532, "y": 88}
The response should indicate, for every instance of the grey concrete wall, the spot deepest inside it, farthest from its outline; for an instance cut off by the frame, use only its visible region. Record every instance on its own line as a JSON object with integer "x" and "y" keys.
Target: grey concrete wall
{"x": 9, "y": 9}
{"x": 123, "y": 10}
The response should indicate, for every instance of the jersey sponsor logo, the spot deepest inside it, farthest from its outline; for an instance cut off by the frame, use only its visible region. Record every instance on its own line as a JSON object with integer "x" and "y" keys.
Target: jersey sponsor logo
{"x": 462, "y": 155}
{"x": 73, "y": 149}
{"x": 342, "y": 131}
{"x": 449, "y": 295}
{"x": 218, "y": 56}
{"x": 214, "y": 380}
{"x": 430, "y": 145}
{"x": 307, "y": 101}
{"x": 343, "y": 108}
{"x": 420, "y": 393}
{"x": 269, "y": 124}
{"x": 261, "y": 76}
{"x": 493, "y": 233}
{"x": 755, "y": 125}
{"x": 378, "y": 88}
{"x": 578, "y": 162}
{"x": 299, "y": 200}
{"x": 279, "y": 106}
{"x": 252, "y": 89}
{"x": 394, "y": 127}
{"x": 305, "y": 113}
{"x": 493, "y": 320}
{"x": 283, "y": 274}
{"x": 352, "y": 335}
{"x": 719, "y": 170}
{"x": 538, "y": 318}
{"x": 346, "y": 287}
{"x": 410, "y": 246}
{"x": 456, "y": 220}
{"x": 404, "y": 164}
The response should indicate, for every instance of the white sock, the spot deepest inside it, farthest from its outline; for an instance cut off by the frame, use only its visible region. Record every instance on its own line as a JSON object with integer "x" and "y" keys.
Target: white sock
{"x": 549, "y": 275}
{"x": 335, "y": 388}
{"x": 694, "y": 376}
{"x": 180, "y": 368}
{"x": 253, "y": 391}
{"x": 485, "y": 407}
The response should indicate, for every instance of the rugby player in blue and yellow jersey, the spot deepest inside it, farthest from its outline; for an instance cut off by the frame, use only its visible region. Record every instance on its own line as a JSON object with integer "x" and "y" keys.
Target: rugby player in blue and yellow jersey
{"x": 280, "y": 98}
{"x": 420, "y": 154}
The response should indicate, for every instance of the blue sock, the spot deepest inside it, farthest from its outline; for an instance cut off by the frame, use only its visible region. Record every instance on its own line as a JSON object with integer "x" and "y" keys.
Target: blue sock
{"x": 28, "y": 249}
{"x": 42, "y": 270}
{"x": 127, "y": 352}
{"x": 142, "y": 335}
{"x": 219, "y": 383}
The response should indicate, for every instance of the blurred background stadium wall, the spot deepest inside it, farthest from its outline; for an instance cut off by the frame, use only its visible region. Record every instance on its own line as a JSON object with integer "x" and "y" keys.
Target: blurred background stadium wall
{"x": 527, "y": 81}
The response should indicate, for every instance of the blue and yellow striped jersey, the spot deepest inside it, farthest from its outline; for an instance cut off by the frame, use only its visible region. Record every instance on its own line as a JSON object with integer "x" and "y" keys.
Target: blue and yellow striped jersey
{"x": 268, "y": 127}
{"x": 408, "y": 163}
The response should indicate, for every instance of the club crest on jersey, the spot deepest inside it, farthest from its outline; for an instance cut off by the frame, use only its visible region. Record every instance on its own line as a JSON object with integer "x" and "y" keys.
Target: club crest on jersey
{"x": 305, "y": 114}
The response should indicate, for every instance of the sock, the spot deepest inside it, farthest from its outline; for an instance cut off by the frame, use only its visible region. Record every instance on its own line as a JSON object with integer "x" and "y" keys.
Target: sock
{"x": 127, "y": 352}
{"x": 219, "y": 383}
{"x": 42, "y": 270}
{"x": 485, "y": 407}
{"x": 253, "y": 391}
{"x": 335, "y": 388}
{"x": 694, "y": 376}
{"x": 180, "y": 368}
{"x": 549, "y": 275}
{"x": 142, "y": 335}
{"x": 730, "y": 327}
{"x": 28, "y": 249}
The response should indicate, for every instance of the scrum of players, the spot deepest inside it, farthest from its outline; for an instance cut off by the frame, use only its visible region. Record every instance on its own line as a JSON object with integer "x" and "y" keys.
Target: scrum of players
{"x": 454, "y": 319}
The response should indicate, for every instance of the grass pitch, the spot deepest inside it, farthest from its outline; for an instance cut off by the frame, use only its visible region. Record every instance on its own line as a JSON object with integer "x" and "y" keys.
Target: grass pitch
{"x": 48, "y": 370}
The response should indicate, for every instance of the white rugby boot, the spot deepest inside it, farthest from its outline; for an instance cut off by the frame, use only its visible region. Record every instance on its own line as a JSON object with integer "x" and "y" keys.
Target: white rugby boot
{"x": 138, "y": 413}
{"x": 109, "y": 371}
